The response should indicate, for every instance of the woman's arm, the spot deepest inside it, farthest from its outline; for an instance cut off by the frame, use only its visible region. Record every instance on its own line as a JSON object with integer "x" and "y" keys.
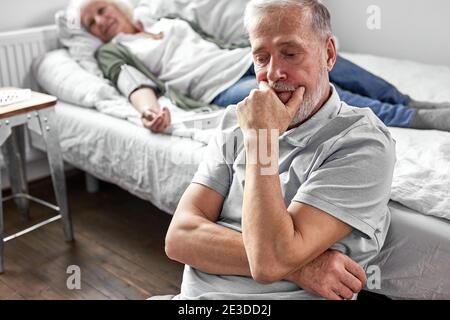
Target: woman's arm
{"x": 127, "y": 73}
{"x": 145, "y": 101}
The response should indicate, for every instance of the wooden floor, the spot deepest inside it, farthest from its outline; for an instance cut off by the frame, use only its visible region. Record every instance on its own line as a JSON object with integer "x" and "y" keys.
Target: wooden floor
{"x": 119, "y": 248}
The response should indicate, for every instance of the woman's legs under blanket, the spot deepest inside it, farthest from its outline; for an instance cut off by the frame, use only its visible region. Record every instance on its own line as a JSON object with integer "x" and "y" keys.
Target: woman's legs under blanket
{"x": 392, "y": 115}
{"x": 399, "y": 115}
{"x": 395, "y": 115}
{"x": 355, "y": 79}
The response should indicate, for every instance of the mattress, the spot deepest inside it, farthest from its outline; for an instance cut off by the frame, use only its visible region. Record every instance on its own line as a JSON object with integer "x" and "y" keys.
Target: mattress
{"x": 415, "y": 260}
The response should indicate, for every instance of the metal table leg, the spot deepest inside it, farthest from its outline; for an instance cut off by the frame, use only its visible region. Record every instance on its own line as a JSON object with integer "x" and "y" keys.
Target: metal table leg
{"x": 4, "y": 134}
{"x": 21, "y": 133}
{"x": 14, "y": 155}
{"x": 50, "y": 135}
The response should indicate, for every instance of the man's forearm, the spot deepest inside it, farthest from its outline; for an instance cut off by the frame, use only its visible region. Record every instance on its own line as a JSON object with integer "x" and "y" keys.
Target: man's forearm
{"x": 209, "y": 247}
{"x": 268, "y": 229}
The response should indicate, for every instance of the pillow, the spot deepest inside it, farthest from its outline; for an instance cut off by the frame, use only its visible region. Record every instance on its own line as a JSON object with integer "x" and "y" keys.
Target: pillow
{"x": 58, "y": 74}
{"x": 80, "y": 43}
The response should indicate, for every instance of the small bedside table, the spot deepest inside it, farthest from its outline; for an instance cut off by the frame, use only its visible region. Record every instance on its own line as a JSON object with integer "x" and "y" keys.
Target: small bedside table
{"x": 36, "y": 114}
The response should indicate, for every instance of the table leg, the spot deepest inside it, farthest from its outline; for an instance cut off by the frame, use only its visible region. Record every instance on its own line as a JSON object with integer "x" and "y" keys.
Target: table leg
{"x": 55, "y": 159}
{"x": 5, "y": 132}
{"x": 14, "y": 155}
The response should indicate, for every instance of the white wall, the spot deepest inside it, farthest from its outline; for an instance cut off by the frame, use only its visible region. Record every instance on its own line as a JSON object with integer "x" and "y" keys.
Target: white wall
{"x": 18, "y": 14}
{"x": 411, "y": 29}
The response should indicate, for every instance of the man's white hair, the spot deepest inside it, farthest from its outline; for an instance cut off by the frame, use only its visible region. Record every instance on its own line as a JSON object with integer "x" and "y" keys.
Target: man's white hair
{"x": 123, "y": 5}
{"x": 320, "y": 16}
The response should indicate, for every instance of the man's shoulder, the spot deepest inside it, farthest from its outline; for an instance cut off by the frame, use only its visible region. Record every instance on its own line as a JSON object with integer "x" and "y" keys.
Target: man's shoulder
{"x": 360, "y": 126}
{"x": 353, "y": 129}
{"x": 369, "y": 115}
{"x": 368, "y": 119}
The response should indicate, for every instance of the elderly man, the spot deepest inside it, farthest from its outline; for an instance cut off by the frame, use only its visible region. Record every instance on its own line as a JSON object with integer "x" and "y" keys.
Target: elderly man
{"x": 250, "y": 228}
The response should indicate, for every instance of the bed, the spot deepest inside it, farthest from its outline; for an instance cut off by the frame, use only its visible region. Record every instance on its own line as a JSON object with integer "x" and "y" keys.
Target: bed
{"x": 415, "y": 261}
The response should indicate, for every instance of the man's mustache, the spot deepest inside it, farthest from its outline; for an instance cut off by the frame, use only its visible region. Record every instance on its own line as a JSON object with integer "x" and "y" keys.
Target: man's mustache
{"x": 281, "y": 86}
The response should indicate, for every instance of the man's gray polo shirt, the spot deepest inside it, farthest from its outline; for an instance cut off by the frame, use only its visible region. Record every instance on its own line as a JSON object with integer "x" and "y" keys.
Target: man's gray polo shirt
{"x": 340, "y": 161}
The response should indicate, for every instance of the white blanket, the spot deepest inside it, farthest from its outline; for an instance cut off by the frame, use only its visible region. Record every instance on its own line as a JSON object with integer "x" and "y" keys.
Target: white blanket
{"x": 422, "y": 172}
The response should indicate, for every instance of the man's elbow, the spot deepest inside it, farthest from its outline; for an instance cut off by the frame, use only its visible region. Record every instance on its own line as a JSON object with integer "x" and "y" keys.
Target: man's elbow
{"x": 172, "y": 244}
{"x": 267, "y": 271}
{"x": 269, "y": 268}
{"x": 265, "y": 276}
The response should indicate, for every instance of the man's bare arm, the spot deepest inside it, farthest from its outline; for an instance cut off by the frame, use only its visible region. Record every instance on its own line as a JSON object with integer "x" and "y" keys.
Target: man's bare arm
{"x": 194, "y": 238}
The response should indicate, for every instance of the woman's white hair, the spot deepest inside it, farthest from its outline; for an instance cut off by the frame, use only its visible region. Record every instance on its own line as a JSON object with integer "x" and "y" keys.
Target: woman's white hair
{"x": 123, "y": 5}
{"x": 320, "y": 16}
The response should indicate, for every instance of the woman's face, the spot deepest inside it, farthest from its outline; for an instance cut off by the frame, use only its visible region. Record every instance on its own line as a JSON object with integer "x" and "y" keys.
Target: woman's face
{"x": 104, "y": 20}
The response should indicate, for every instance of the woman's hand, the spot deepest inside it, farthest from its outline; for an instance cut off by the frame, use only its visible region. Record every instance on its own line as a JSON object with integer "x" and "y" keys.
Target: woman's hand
{"x": 156, "y": 121}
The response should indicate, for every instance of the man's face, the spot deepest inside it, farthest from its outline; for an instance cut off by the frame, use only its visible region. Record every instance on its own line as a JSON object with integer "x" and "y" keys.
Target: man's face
{"x": 104, "y": 20}
{"x": 288, "y": 54}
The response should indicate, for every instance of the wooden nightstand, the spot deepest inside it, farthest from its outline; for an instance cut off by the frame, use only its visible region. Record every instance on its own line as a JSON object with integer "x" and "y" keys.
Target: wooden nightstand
{"x": 35, "y": 114}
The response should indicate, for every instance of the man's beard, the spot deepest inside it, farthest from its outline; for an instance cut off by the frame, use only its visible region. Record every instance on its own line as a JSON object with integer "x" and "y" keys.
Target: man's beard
{"x": 310, "y": 100}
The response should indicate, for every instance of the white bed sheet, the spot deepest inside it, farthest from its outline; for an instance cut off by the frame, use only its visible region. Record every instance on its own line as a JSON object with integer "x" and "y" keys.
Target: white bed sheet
{"x": 422, "y": 171}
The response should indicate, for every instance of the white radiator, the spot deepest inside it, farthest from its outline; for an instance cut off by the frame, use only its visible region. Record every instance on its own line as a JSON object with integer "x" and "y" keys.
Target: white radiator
{"x": 18, "y": 49}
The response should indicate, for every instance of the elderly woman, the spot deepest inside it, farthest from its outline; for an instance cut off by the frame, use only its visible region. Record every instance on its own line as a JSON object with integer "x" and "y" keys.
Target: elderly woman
{"x": 202, "y": 70}
{"x": 176, "y": 54}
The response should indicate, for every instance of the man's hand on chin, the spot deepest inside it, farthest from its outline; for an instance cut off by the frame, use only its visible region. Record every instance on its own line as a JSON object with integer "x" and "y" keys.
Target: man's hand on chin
{"x": 263, "y": 109}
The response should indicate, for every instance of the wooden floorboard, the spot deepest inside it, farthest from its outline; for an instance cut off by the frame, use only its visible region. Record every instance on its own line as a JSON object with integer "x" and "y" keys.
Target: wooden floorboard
{"x": 119, "y": 248}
